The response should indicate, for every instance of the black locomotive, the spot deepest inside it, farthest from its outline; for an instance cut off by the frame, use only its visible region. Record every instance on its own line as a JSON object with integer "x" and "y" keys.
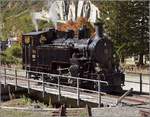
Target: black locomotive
{"x": 83, "y": 55}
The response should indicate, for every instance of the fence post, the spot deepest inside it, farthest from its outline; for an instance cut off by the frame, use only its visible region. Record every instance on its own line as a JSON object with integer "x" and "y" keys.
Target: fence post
{"x": 43, "y": 85}
{"x": 59, "y": 92}
{"x": 4, "y": 77}
{"x": 140, "y": 82}
{"x": 88, "y": 109}
{"x": 15, "y": 79}
{"x": 149, "y": 85}
{"x": 99, "y": 93}
{"x": 78, "y": 93}
{"x": 28, "y": 76}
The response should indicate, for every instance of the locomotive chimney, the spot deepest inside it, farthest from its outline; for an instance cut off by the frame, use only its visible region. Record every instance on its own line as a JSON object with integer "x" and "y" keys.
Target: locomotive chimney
{"x": 98, "y": 30}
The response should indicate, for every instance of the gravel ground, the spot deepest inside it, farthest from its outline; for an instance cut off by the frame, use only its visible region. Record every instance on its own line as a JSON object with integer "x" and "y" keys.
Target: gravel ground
{"x": 116, "y": 112}
{"x": 96, "y": 112}
{"x": 20, "y": 113}
{"x": 119, "y": 111}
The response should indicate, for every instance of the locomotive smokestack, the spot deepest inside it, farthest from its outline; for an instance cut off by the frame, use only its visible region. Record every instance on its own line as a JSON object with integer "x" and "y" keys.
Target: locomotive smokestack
{"x": 98, "y": 30}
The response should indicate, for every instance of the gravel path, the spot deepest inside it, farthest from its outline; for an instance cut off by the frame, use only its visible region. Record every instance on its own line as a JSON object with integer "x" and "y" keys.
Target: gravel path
{"x": 116, "y": 112}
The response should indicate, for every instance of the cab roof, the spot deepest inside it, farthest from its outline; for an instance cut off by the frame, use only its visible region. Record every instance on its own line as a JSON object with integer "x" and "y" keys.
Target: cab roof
{"x": 35, "y": 33}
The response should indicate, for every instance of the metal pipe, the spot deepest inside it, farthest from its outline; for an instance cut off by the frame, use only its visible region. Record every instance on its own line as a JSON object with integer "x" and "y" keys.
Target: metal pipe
{"x": 98, "y": 30}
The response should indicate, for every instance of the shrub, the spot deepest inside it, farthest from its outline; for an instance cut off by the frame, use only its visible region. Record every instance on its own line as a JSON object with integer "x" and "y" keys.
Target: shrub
{"x": 11, "y": 55}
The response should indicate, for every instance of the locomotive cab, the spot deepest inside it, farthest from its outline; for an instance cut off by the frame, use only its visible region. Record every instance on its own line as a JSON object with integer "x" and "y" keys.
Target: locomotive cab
{"x": 30, "y": 41}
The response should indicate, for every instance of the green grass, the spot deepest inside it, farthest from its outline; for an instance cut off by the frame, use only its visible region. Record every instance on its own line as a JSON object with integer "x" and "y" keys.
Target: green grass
{"x": 24, "y": 102}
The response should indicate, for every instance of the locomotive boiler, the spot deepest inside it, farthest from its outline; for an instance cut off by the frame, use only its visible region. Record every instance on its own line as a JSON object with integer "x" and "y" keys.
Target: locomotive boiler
{"x": 83, "y": 55}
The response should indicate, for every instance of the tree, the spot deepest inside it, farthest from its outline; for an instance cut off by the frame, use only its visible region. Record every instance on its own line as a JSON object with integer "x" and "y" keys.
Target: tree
{"x": 127, "y": 24}
{"x": 139, "y": 28}
{"x": 11, "y": 55}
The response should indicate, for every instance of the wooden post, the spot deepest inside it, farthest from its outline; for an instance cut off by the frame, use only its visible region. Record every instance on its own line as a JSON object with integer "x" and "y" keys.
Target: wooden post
{"x": 78, "y": 93}
{"x": 5, "y": 77}
{"x": 149, "y": 86}
{"x": 43, "y": 85}
{"x": 15, "y": 79}
{"x": 99, "y": 93}
{"x": 59, "y": 90}
{"x": 88, "y": 109}
{"x": 62, "y": 111}
{"x": 124, "y": 95}
{"x": 28, "y": 76}
{"x": 9, "y": 91}
{"x": 140, "y": 82}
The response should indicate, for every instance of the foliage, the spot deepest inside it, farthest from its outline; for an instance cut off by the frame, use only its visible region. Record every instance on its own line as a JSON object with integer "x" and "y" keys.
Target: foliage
{"x": 11, "y": 55}
{"x": 75, "y": 25}
{"x": 44, "y": 24}
{"x": 25, "y": 100}
{"x": 127, "y": 24}
{"x": 17, "y": 17}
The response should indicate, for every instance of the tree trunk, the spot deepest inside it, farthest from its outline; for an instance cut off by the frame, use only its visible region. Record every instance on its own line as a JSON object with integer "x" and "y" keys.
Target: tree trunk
{"x": 141, "y": 59}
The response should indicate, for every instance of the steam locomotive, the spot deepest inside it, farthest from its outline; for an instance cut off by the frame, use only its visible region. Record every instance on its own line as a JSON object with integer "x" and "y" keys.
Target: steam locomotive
{"x": 83, "y": 55}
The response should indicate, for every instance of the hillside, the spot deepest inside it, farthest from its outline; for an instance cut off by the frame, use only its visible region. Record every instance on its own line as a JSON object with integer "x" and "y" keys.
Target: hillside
{"x": 16, "y": 17}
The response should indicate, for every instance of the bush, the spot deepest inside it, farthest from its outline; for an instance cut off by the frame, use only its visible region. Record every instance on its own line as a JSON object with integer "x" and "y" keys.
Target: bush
{"x": 11, "y": 55}
{"x": 15, "y": 50}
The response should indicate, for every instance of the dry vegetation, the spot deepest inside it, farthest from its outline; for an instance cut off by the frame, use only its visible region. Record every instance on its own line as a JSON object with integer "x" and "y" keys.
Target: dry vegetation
{"x": 76, "y": 25}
